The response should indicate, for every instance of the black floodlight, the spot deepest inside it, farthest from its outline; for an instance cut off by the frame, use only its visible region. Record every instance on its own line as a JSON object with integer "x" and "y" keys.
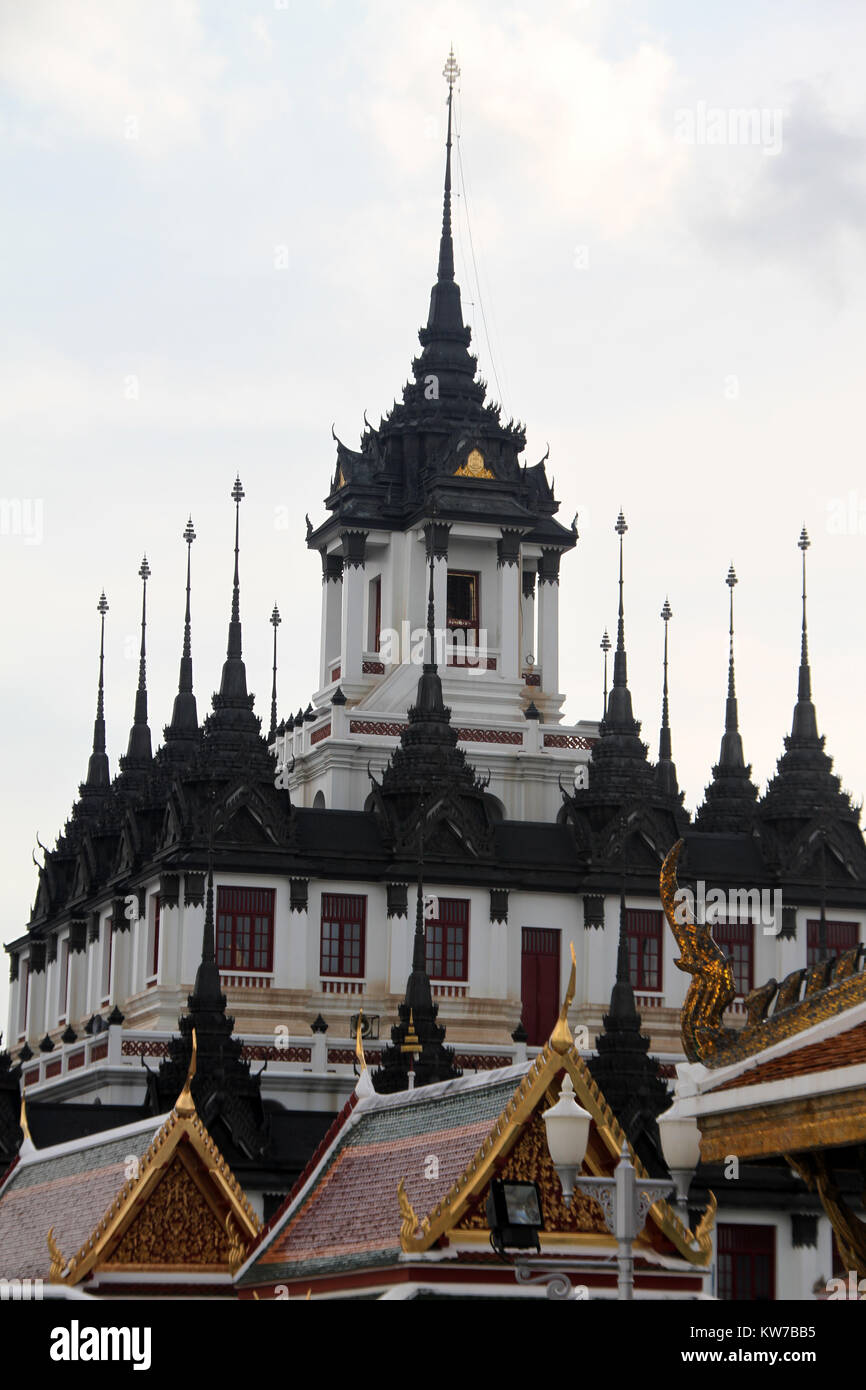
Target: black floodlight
{"x": 514, "y": 1215}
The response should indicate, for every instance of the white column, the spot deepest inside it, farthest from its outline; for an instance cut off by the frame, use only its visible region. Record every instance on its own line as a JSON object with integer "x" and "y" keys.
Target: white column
{"x": 509, "y": 612}
{"x": 440, "y": 608}
{"x": 527, "y": 613}
{"x": 548, "y": 622}
{"x": 352, "y": 615}
{"x": 332, "y": 603}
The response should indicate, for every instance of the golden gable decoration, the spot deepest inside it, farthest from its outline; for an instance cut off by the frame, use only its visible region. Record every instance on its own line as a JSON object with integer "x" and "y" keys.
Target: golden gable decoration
{"x": 474, "y": 467}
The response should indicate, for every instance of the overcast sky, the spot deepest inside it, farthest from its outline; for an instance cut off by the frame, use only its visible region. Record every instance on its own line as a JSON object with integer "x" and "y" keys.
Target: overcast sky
{"x": 218, "y": 236}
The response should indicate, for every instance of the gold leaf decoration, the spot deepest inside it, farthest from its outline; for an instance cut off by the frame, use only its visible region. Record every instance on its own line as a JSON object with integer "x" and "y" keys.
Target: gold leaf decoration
{"x": 474, "y": 467}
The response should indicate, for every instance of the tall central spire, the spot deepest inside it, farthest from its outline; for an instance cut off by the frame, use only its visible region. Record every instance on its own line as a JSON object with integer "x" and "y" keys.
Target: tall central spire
{"x": 275, "y": 622}
{"x": 805, "y": 724}
{"x": 729, "y": 800}
{"x": 731, "y": 755}
{"x": 666, "y": 772}
{"x": 619, "y": 714}
{"x": 183, "y": 729}
{"x": 139, "y": 752}
{"x": 97, "y": 768}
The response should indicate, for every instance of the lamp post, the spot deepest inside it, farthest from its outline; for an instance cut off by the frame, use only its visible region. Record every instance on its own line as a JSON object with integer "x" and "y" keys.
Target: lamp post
{"x": 624, "y": 1198}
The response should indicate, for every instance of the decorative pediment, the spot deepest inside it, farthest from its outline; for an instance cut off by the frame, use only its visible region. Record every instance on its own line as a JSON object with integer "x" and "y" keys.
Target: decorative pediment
{"x": 474, "y": 465}
{"x": 246, "y": 816}
{"x": 183, "y": 1210}
{"x": 516, "y": 1148}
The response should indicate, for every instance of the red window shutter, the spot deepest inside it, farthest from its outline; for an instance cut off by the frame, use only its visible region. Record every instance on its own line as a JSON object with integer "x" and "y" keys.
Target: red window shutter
{"x": 245, "y": 929}
{"x": 539, "y": 982}
{"x": 447, "y": 938}
{"x": 841, "y": 936}
{"x": 342, "y": 942}
{"x": 643, "y": 928}
{"x": 747, "y": 1262}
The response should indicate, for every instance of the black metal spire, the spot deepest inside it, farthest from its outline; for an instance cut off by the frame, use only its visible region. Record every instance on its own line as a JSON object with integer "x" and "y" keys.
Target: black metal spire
{"x": 275, "y": 622}
{"x": 417, "y": 1040}
{"x": 97, "y": 768}
{"x": 445, "y": 309}
{"x": 139, "y": 752}
{"x": 619, "y": 716}
{"x": 805, "y": 724}
{"x": 183, "y": 729}
{"x": 731, "y": 755}
{"x": 627, "y": 1076}
{"x": 605, "y": 647}
{"x": 207, "y": 993}
{"x": 729, "y": 800}
{"x": 233, "y": 723}
{"x": 666, "y": 772}
{"x": 805, "y": 784}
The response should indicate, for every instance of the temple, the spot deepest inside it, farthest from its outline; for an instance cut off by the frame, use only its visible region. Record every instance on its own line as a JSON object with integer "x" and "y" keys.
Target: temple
{"x": 408, "y": 856}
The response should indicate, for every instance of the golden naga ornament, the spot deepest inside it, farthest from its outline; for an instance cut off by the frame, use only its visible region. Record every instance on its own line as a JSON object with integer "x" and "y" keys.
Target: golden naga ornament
{"x": 804, "y": 997}
{"x": 474, "y": 467}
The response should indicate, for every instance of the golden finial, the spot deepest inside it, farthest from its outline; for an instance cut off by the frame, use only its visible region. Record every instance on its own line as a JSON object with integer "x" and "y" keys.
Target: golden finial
{"x": 22, "y": 1119}
{"x": 58, "y": 1264}
{"x": 561, "y": 1039}
{"x": 411, "y": 1043}
{"x": 185, "y": 1105}
{"x": 359, "y": 1046}
{"x": 409, "y": 1223}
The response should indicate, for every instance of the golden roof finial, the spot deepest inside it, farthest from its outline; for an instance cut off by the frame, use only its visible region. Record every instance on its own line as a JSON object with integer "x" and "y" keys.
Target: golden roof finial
{"x": 409, "y": 1222}
{"x": 359, "y": 1046}
{"x": 22, "y": 1119}
{"x": 561, "y": 1039}
{"x": 58, "y": 1263}
{"x": 185, "y": 1105}
{"x": 411, "y": 1041}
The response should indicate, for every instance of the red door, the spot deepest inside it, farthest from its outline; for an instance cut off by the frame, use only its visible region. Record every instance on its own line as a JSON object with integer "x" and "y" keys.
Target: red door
{"x": 539, "y": 982}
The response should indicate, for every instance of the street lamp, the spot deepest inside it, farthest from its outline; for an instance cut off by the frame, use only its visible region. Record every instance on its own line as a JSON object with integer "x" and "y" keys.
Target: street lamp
{"x": 681, "y": 1146}
{"x": 624, "y": 1198}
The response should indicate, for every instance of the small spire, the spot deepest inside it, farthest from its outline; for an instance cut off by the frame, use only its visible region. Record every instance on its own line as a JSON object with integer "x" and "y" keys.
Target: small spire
{"x": 185, "y": 1105}
{"x": 731, "y": 755}
{"x": 805, "y": 726}
{"x": 619, "y": 711}
{"x": 605, "y": 645}
{"x": 184, "y": 719}
{"x": 445, "y": 310}
{"x": 206, "y": 991}
{"x": 139, "y": 752}
{"x": 233, "y": 716}
{"x": 666, "y": 773}
{"x": 275, "y": 622}
{"x": 97, "y": 768}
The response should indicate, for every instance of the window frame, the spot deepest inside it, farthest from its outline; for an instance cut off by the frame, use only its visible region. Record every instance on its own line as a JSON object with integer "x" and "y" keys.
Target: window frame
{"x": 343, "y": 910}
{"x": 458, "y": 624}
{"x": 437, "y": 951}
{"x": 154, "y": 917}
{"x": 813, "y": 926}
{"x": 637, "y": 930}
{"x": 740, "y": 1241}
{"x": 238, "y": 910}
{"x": 747, "y": 937}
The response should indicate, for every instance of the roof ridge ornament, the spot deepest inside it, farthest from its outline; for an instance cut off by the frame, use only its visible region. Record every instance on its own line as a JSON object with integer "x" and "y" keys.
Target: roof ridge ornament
{"x": 561, "y": 1039}
{"x": 185, "y": 1105}
{"x": 97, "y": 768}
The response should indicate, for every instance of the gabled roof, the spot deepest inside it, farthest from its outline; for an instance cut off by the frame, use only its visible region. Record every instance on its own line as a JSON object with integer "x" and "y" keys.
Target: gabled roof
{"x": 405, "y": 1174}
{"x": 66, "y": 1188}
{"x": 115, "y": 1200}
